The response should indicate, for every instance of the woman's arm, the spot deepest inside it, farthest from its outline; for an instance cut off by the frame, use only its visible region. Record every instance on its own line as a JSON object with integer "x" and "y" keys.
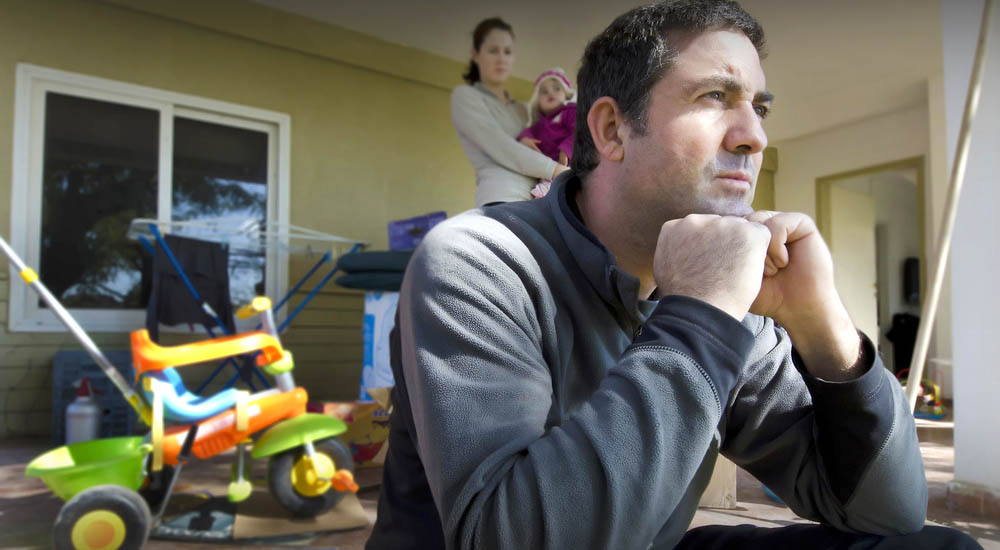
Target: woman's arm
{"x": 474, "y": 123}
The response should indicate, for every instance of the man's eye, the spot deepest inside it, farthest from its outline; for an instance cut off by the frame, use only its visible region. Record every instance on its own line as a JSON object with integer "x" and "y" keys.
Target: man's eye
{"x": 762, "y": 110}
{"x": 718, "y": 96}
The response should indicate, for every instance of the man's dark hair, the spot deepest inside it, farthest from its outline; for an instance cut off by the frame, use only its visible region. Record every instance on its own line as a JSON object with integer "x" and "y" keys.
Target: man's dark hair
{"x": 626, "y": 60}
{"x": 478, "y": 35}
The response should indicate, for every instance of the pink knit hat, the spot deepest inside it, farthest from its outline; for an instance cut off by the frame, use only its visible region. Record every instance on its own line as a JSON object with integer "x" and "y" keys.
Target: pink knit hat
{"x": 555, "y": 73}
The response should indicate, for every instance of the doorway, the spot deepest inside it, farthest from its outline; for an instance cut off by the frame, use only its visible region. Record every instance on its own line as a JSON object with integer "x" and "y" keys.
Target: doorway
{"x": 872, "y": 220}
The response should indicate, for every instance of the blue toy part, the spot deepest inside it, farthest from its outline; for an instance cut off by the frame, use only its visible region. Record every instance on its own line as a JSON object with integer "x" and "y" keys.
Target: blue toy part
{"x": 770, "y": 494}
{"x": 180, "y": 405}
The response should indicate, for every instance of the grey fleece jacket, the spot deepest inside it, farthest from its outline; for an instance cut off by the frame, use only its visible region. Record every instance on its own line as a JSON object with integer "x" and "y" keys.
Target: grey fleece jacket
{"x": 541, "y": 403}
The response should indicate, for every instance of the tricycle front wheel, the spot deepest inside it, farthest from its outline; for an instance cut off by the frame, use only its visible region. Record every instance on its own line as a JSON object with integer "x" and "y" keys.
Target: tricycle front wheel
{"x": 103, "y": 517}
{"x": 293, "y": 482}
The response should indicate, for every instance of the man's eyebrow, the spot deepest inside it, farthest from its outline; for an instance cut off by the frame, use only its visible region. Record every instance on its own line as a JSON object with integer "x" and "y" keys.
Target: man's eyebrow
{"x": 729, "y": 85}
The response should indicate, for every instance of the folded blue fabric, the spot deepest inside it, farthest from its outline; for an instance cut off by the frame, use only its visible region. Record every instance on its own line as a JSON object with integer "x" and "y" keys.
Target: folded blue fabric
{"x": 386, "y": 260}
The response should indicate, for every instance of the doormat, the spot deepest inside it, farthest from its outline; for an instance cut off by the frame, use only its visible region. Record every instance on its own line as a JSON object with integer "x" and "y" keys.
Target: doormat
{"x": 259, "y": 518}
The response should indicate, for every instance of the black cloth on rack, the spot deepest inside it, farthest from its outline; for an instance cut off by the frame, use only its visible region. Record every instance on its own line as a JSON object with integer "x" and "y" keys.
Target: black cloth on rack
{"x": 382, "y": 270}
{"x": 206, "y": 265}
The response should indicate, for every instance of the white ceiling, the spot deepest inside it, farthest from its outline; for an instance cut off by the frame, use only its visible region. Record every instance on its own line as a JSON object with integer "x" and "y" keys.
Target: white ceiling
{"x": 831, "y": 62}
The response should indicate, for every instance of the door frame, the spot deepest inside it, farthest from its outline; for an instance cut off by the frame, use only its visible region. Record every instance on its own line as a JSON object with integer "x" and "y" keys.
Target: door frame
{"x": 823, "y": 214}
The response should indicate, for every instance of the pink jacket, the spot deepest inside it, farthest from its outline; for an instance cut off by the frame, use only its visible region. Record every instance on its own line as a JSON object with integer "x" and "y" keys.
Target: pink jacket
{"x": 554, "y": 131}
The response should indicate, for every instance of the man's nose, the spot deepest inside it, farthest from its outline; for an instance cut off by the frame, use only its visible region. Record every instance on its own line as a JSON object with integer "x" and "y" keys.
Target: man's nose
{"x": 745, "y": 133}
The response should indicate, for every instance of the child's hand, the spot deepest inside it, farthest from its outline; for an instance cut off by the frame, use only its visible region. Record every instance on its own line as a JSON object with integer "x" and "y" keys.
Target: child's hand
{"x": 563, "y": 159}
{"x": 531, "y": 142}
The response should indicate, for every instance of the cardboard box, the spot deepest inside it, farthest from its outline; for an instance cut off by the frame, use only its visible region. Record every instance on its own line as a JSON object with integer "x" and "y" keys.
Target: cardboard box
{"x": 367, "y": 434}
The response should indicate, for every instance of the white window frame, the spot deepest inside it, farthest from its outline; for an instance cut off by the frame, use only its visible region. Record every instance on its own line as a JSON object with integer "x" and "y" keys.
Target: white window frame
{"x": 32, "y": 84}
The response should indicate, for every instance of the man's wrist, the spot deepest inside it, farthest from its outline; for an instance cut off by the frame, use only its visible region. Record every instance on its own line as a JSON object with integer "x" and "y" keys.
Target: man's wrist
{"x": 830, "y": 347}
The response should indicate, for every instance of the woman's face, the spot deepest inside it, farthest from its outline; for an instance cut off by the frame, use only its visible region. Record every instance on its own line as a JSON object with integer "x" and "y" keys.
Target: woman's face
{"x": 495, "y": 57}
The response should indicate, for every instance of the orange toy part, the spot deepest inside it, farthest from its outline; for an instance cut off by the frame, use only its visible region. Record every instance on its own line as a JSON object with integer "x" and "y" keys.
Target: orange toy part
{"x": 343, "y": 481}
{"x": 218, "y": 433}
{"x": 147, "y": 355}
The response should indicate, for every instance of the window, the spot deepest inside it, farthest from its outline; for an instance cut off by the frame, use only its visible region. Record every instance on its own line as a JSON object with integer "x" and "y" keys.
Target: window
{"x": 91, "y": 155}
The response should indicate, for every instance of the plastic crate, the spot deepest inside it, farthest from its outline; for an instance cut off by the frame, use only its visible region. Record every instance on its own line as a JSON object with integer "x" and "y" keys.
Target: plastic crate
{"x": 69, "y": 366}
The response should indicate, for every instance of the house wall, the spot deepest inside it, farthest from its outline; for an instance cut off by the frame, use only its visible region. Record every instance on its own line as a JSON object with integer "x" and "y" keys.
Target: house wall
{"x": 871, "y": 142}
{"x": 371, "y": 142}
{"x": 975, "y": 263}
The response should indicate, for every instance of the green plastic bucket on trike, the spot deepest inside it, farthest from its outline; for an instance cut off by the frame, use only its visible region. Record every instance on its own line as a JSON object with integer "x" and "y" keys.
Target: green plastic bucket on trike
{"x": 69, "y": 469}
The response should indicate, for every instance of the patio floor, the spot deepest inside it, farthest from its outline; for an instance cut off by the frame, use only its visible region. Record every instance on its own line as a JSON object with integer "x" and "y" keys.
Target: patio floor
{"x": 28, "y": 509}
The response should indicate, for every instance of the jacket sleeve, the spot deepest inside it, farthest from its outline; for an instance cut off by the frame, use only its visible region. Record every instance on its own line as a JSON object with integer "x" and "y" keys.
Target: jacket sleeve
{"x": 843, "y": 453}
{"x": 474, "y": 123}
{"x": 481, "y": 391}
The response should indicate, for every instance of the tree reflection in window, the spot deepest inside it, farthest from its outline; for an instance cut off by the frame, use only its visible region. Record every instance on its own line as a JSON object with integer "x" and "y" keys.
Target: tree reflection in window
{"x": 99, "y": 172}
{"x": 221, "y": 172}
{"x": 100, "y": 166}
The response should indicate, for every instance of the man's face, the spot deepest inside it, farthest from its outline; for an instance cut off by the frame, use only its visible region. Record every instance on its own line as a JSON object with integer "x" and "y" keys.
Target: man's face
{"x": 704, "y": 142}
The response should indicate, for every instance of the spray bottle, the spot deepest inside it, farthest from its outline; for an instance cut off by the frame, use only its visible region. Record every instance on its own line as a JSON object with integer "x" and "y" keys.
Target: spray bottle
{"x": 83, "y": 415}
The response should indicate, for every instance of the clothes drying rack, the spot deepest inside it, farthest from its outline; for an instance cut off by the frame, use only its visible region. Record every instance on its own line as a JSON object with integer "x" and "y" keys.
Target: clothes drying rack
{"x": 251, "y": 234}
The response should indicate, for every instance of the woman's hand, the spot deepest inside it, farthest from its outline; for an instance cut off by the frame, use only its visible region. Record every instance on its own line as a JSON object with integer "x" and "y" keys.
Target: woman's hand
{"x": 563, "y": 159}
{"x": 560, "y": 168}
{"x": 531, "y": 143}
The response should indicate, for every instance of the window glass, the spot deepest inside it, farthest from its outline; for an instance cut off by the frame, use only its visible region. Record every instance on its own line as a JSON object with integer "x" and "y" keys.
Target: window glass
{"x": 99, "y": 172}
{"x": 221, "y": 172}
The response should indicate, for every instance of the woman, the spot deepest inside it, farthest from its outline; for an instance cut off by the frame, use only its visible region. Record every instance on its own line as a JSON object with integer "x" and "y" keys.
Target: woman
{"x": 488, "y": 119}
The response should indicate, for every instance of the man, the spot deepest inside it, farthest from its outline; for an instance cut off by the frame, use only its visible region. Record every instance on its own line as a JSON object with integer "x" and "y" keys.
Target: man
{"x": 568, "y": 369}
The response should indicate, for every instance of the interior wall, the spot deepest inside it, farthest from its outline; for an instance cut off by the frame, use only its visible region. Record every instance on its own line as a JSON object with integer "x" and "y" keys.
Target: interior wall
{"x": 371, "y": 142}
{"x": 975, "y": 263}
{"x": 895, "y": 196}
{"x": 870, "y": 142}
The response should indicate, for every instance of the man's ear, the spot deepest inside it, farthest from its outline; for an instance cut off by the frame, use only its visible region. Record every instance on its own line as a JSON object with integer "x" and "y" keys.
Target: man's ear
{"x": 607, "y": 125}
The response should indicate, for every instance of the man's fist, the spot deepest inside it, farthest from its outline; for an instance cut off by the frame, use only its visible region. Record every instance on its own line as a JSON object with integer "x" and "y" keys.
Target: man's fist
{"x": 716, "y": 259}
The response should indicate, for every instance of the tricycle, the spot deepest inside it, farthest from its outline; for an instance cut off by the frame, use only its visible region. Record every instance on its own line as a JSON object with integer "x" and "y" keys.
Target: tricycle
{"x": 117, "y": 489}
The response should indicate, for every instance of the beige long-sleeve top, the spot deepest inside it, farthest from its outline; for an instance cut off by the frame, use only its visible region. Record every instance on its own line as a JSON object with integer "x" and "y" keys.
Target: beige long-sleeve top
{"x": 505, "y": 169}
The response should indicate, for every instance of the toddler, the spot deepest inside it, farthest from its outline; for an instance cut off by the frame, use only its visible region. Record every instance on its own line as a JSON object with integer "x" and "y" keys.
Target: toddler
{"x": 553, "y": 119}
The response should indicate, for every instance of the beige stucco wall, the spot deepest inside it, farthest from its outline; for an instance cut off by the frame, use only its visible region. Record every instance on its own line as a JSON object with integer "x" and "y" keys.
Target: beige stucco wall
{"x": 371, "y": 142}
{"x": 975, "y": 265}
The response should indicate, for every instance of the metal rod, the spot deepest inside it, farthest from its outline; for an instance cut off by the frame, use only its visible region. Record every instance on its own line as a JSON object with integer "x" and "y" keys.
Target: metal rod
{"x": 327, "y": 257}
{"x": 29, "y": 276}
{"x": 182, "y": 459}
{"x": 929, "y": 308}
{"x": 313, "y": 293}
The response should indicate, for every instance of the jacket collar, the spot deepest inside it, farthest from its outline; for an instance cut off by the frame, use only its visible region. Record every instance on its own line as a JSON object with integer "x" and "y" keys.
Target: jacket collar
{"x": 615, "y": 286}
{"x": 555, "y": 112}
{"x": 482, "y": 88}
